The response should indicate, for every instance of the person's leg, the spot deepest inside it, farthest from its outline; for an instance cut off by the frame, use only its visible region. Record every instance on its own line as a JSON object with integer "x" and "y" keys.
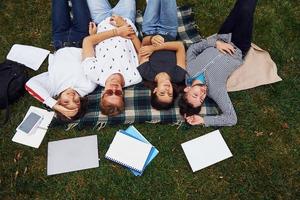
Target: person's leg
{"x": 168, "y": 23}
{"x": 125, "y": 8}
{"x": 151, "y": 17}
{"x": 99, "y": 9}
{"x": 61, "y": 22}
{"x": 240, "y": 24}
{"x": 161, "y": 18}
{"x": 80, "y": 21}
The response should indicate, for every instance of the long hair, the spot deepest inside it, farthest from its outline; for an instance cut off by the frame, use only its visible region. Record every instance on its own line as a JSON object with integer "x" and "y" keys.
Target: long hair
{"x": 81, "y": 111}
{"x": 155, "y": 103}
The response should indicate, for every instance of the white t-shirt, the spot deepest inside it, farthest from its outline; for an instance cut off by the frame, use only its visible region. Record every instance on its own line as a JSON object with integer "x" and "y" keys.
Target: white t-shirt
{"x": 113, "y": 55}
{"x": 64, "y": 71}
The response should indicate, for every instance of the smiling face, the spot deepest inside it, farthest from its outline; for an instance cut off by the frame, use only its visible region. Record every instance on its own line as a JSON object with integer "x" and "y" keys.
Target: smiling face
{"x": 164, "y": 91}
{"x": 113, "y": 89}
{"x": 196, "y": 94}
{"x": 69, "y": 99}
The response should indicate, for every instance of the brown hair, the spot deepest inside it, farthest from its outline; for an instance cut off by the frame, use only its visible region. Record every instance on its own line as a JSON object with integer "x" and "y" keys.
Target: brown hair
{"x": 81, "y": 111}
{"x": 110, "y": 109}
{"x": 186, "y": 108}
{"x": 155, "y": 103}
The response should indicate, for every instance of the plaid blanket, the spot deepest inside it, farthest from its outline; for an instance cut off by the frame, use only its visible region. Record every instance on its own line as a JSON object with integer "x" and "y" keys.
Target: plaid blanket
{"x": 137, "y": 98}
{"x": 137, "y": 110}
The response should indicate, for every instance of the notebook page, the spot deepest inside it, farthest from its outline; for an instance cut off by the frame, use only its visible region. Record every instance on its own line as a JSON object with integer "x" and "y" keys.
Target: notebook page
{"x": 128, "y": 151}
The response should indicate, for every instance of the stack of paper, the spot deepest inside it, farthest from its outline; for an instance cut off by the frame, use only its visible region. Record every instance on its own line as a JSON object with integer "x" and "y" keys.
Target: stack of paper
{"x": 35, "y": 139}
{"x": 206, "y": 150}
{"x": 130, "y": 149}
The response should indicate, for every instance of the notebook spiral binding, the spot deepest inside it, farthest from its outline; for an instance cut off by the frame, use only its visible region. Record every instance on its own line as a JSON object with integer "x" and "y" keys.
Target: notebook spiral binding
{"x": 125, "y": 165}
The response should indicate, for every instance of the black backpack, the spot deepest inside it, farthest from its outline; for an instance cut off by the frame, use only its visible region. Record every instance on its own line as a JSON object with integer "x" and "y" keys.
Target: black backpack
{"x": 13, "y": 77}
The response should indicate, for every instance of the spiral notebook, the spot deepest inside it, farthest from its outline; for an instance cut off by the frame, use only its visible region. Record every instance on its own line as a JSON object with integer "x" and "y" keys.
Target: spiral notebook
{"x": 133, "y": 132}
{"x": 128, "y": 151}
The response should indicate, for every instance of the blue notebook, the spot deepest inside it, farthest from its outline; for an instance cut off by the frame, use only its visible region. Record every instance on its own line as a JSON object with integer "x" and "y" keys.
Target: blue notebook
{"x": 133, "y": 132}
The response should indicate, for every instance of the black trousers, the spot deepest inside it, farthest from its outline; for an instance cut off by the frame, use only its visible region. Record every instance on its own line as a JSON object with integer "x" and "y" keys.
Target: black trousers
{"x": 240, "y": 23}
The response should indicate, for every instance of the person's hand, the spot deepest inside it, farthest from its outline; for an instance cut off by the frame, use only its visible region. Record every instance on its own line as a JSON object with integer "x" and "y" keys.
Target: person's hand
{"x": 92, "y": 28}
{"x": 157, "y": 40}
{"x": 117, "y": 21}
{"x": 66, "y": 112}
{"x": 194, "y": 120}
{"x": 225, "y": 47}
{"x": 146, "y": 51}
{"x": 125, "y": 31}
{"x": 132, "y": 36}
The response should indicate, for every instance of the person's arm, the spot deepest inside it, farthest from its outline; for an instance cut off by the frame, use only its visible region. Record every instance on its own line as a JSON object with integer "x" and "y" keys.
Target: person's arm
{"x": 153, "y": 40}
{"x": 176, "y": 46}
{"x": 195, "y": 49}
{"x": 90, "y": 41}
{"x": 119, "y": 21}
{"x": 146, "y": 41}
{"x": 39, "y": 87}
{"x": 136, "y": 42}
{"x": 228, "y": 116}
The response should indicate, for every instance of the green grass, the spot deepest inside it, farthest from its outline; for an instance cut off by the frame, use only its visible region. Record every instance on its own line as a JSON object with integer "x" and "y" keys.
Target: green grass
{"x": 265, "y": 143}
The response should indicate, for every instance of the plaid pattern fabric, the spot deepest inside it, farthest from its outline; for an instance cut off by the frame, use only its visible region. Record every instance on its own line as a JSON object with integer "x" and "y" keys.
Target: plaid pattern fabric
{"x": 187, "y": 28}
{"x": 137, "y": 110}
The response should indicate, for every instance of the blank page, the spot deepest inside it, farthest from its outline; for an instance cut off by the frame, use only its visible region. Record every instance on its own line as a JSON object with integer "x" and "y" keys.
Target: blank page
{"x": 72, "y": 154}
{"x": 128, "y": 151}
{"x": 206, "y": 150}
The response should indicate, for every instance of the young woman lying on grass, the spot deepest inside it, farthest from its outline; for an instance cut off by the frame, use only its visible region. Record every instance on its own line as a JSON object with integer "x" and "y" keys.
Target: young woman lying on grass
{"x": 64, "y": 85}
{"x": 162, "y": 59}
{"x": 211, "y": 61}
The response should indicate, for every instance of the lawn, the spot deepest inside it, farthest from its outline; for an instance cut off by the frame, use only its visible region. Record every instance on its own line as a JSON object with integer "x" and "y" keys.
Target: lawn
{"x": 265, "y": 142}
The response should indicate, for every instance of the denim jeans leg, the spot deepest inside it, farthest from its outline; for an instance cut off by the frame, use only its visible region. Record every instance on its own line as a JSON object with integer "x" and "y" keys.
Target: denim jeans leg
{"x": 61, "y": 22}
{"x": 151, "y": 17}
{"x": 161, "y": 18}
{"x": 168, "y": 22}
{"x": 80, "y": 22}
{"x": 99, "y": 9}
{"x": 125, "y": 8}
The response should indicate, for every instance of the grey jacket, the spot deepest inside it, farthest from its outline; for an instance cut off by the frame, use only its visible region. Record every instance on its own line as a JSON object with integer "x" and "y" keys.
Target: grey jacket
{"x": 205, "y": 57}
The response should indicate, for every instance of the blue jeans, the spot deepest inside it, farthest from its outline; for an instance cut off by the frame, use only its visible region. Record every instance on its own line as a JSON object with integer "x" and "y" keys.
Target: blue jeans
{"x": 67, "y": 31}
{"x": 101, "y": 9}
{"x": 160, "y": 18}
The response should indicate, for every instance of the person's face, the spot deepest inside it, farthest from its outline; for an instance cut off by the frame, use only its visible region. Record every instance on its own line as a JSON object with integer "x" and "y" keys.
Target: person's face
{"x": 195, "y": 94}
{"x": 113, "y": 92}
{"x": 164, "y": 91}
{"x": 69, "y": 99}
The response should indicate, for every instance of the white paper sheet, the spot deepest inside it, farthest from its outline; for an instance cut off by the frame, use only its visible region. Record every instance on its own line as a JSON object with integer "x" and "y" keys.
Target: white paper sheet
{"x": 32, "y": 57}
{"x": 72, "y": 155}
{"x": 35, "y": 139}
{"x": 206, "y": 150}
